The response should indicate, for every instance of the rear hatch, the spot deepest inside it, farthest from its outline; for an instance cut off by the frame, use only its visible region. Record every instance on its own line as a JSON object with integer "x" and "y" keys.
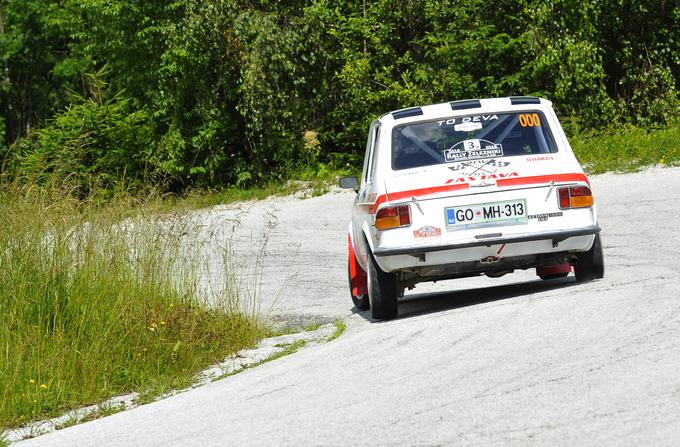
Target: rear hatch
{"x": 469, "y": 176}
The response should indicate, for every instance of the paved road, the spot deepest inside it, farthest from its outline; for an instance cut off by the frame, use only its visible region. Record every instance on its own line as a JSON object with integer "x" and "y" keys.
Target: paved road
{"x": 513, "y": 361}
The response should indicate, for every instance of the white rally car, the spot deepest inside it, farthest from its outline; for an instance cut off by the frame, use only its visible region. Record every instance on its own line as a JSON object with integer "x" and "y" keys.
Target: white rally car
{"x": 467, "y": 188}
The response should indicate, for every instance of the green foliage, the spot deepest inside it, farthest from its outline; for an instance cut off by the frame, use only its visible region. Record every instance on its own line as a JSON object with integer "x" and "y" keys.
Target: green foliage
{"x": 233, "y": 93}
{"x": 176, "y": 58}
{"x": 37, "y": 66}
{"x": 94, "y": 144}
{"x": 640, "y": 48}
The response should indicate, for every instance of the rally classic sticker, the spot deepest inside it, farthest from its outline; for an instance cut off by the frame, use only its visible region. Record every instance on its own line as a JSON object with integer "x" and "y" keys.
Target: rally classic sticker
{"x": 486, "y": 166}
{"x": 427, "y": 231}
{"x": 472, "y": 150}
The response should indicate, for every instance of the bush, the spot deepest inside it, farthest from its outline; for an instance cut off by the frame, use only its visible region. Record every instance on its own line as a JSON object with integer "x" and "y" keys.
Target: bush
{"x": 95, "y": 144}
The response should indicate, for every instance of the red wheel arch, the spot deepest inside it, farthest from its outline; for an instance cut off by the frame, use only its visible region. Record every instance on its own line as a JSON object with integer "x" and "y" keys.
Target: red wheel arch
{"x": 357, "y": 275}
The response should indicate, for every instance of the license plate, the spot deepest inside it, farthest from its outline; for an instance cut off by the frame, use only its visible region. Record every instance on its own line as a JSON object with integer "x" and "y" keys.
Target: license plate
{"x": 493, "y": 213}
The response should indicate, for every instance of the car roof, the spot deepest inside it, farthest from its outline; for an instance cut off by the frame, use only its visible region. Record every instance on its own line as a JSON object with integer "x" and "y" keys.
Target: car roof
{"x": 463, "y": 107}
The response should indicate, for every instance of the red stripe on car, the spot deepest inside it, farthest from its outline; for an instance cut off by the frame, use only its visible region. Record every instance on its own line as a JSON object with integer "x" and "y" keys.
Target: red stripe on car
{"x": 414, "y": 193}
{"x": 513, "y": 181}
{"x": 542, "y": 179}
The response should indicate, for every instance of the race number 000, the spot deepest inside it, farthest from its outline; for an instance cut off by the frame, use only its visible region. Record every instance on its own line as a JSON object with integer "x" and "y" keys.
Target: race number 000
{"x": 529, "y": 120}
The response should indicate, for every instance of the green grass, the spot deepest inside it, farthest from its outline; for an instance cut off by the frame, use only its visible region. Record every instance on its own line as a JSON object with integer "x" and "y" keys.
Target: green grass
{"x": 289, "y": 348}
{"x": 312, "y": 327}
{"x": 94, "y": 305}
{"x": 340, "y": 327}
{"x": 101, "y": 411}
{"x": 627, "y": 149}
{"x": 70, "y": 422}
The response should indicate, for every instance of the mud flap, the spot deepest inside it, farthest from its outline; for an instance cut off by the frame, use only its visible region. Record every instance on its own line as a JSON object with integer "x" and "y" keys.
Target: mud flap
{"x": 553, "y": 270}
{"x": 357, "y": 275}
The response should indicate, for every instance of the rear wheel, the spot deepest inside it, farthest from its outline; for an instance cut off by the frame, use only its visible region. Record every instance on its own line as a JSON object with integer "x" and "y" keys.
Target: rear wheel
{"x": 382, "y": 291}
{"x": 590, "y": 265}
{"x": 360, "y": 301}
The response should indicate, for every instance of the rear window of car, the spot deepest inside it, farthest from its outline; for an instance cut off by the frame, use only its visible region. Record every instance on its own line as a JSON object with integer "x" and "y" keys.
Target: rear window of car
{"x": 470, "y": 137}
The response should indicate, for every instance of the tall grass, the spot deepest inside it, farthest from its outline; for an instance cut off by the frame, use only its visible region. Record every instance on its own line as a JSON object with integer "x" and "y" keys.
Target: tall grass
{"x": 94, "y": 303}
{"x": 627, "y": 148}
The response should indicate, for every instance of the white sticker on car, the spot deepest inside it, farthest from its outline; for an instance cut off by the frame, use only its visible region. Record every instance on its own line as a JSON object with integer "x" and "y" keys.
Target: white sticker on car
{"x": 427, "y": 231}
{"x": 480, "y": 165}
{"x": 467, "y": 119}
{"x": 472, "y": 150}
{"x": 467, "y": 127}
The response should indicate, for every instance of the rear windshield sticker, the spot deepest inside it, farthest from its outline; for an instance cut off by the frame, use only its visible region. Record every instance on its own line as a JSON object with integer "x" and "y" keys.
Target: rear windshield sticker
{"x": 473, "y": 150}
{"x": 467, "y": 127}
{"x": 467, "y": 119}
{"x": 493, "y": 163}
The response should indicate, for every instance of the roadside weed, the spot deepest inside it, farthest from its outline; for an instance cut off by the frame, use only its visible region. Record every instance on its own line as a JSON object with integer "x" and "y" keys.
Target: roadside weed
{"x": 289, "y": 348}
{"x": 99, "y": 301}
{"x": 312, "y": 327}
{"x": 100, "y": 411}
{"x": 627, "y": 149}
{"x": 340, "y": 327}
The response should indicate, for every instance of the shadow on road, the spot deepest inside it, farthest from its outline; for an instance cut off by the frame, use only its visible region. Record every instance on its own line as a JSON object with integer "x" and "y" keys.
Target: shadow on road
{"x": 426, "y": 303}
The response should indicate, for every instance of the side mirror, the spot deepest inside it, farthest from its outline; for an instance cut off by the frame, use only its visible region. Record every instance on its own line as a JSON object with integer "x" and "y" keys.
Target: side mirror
{"x": 349, "y": 183}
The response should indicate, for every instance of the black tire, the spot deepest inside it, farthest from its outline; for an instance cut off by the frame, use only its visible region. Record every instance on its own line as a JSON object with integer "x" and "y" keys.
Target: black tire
{"x": 361, "y": 302}
{"x": 553, "y": 276}
{"x": 382, "y": 291}
{"x": 590, "y": 265}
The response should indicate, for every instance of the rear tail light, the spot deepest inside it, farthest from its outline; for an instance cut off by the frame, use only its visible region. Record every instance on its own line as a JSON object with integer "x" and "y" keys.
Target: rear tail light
{"x": 575, "y": 197}
{"x": 393, "y": 217}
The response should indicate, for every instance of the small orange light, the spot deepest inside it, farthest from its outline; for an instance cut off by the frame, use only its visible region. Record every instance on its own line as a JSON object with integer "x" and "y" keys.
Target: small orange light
{"x": 385, "y": 223}
{"x": 580, "y": 202}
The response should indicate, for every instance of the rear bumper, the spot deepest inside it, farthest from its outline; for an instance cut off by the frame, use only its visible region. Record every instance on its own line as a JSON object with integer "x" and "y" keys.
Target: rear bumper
{"x": 555, "y": 237}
